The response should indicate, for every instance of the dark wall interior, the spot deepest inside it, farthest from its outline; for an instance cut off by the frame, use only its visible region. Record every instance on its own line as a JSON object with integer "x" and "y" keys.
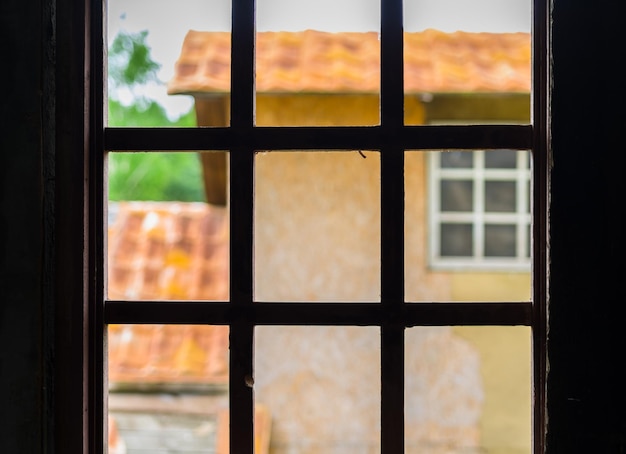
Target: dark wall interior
{"x": 25, "y": 211}
{"x": 40, "y": 330}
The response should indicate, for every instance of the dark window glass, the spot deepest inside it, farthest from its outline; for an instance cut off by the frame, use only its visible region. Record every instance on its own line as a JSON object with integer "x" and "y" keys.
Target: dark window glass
{"x": 500, "y": 240}
{"x": 500, "y": 196}
{"x": 457, "y": 160}
{"x": 457, "y": 195}
{"x": 501, "y": 159}
{"x": 456, "y": 240}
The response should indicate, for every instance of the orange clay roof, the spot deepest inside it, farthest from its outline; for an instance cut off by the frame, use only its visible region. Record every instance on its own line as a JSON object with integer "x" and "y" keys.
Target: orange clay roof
{"x": 320, "y": 62}
{"x": 170, "y": 251}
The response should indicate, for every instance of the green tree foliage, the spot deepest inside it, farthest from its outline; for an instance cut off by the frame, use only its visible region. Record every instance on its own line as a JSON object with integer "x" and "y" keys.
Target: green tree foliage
{"x": 146, "y": 176}
{"x": 155, "y": 176}
{"x": 130, "y": 62}
{"x": 145, "y": 113}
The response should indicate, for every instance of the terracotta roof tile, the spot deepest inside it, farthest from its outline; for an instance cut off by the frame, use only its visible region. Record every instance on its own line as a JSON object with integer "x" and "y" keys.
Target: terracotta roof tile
{"x": 172, "y": 251}
{"x": 321, "y": 62}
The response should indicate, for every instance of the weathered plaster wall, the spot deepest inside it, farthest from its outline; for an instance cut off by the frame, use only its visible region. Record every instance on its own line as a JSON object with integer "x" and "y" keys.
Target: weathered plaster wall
{"x": 313, "y": 208}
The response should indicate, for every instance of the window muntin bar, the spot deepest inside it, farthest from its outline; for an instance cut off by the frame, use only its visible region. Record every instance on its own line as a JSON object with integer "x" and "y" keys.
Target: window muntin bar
{"x": 316, "y": 313}
{"x": 322, "y": 138}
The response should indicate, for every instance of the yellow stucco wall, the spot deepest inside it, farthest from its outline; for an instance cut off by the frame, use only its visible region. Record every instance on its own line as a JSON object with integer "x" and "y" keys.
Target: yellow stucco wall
{"x": 327, "y": 110}
{"x": 326, "y": 206}
{"x": 506, "y": 361}
{"x": 505, "y": 424}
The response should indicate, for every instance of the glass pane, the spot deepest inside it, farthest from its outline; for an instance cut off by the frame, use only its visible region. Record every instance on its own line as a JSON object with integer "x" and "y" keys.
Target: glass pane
{"x": 500, "y": 196}
{"x": 478, "y": 16}
{"x": 456, "y": 240}
{"x": 468, "y": 389}
{"x": 467, "y": 229}
{"x": 167, "y": 387}
{"x": 323, "y": 15}
{"x": 156, "y": 176}
{"x": 500, "y": 240}
{"x": 467, "y": 61}
{"x": 321, "y": 386}
{"x": 456, "y": 159}
{"x": 161, "y": 56}
{"x": 501, "y": 159}
{"x": 317, "y": 226}
{"x": 316, "y": 68}
{"x": 164, "y": 240}
{"x": 457, "y": 195}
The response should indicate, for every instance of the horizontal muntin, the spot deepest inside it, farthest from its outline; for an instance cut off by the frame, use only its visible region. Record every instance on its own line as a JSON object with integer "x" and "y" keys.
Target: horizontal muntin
{"x": 465, "y": 137}
{"x": 326, "y": 313}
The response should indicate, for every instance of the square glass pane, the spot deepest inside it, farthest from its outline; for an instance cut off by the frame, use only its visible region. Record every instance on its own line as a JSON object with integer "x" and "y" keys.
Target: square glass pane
{"x": 457, "y": 195}
{"x": 317, "y": 226}
{"x": 500, "y": 240}
{"x": 462, "y": 255}
{"x": 161, "y": 57}
{"x": 167, "y": 387}
{"x": 467, "y": 61}
{"x": 500, "y": 196}
{"x": 456, "y": 240}
{"x": 317, "y": 63}
{"x": 321, "y": 386}
{"x": 164, "y": 240}
{"x": 468, "y": 389}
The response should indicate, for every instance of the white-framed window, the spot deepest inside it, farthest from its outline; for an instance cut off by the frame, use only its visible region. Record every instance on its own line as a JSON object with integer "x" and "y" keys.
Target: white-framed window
{"x": 480, "y": 209}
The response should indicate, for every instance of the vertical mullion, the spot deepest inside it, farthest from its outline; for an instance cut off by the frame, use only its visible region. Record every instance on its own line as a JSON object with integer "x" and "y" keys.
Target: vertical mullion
{"x": 243, "y": 63}
{"x": 392, "y": 228}
{"x": 241, "y": 208}
{"x": 539, "y": 97}
{"x": 241, "y": 398}
{"x": 97, "y": 378}
{"x": 392, "y": 68}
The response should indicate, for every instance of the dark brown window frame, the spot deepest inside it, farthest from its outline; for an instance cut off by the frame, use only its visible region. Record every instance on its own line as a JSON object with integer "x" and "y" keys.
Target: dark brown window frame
{"x": 242, "y": 138}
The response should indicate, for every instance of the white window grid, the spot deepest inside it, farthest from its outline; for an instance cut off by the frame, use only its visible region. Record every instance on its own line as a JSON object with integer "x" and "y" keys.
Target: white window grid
{"x": 479, "y": 174}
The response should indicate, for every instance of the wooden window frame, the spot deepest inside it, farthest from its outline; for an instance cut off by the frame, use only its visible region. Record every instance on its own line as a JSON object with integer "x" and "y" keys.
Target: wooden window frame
{"x": 241, "y": 139}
